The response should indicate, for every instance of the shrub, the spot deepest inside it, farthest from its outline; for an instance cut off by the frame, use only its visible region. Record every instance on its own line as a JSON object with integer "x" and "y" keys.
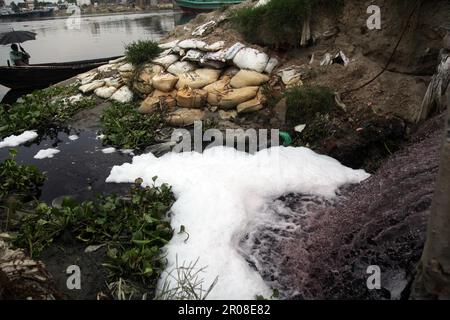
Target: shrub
{"x": 277, "y": 23}
{"x": 141, "y": 51}
{"x": 305, "y": 103}
{"x": 124, "y": 127}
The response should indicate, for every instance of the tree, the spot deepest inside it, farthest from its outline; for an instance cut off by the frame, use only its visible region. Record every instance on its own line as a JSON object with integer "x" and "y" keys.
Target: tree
{"x": 433, "y": 276}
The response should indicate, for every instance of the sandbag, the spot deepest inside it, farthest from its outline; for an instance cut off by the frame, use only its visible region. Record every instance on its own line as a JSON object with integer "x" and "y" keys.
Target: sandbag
{"x": 198, "y": 79}
{"x": 168, "y": 45}
{"x": 89, "y": 87}
{"x": 248, "y": 78}
{"x": 180, "y": 67}
{"x": 159, "y": 93}
{"x": 191, "y": 98}
{"x": 166, "y": 61}
{"x": 149, "y": 106}
{"x": 252, "y": 59}
{"x": 144, "y": 83}
{"x": 105, "y": 92}
{"x": 271, "y": 65}
{"x": 233, "y": 97}
{"x": 252, "y": 105}
{"x": 216, "y": 90}
{"x": 192, "y": 44}
{"x": 113, "y": 82}
{"x": 193, "y": 55}
{"x": 164, "y": 81}
{"x": 123, "y": 95}
{"x": 216, "y": 46}
{"x": 127, "y": 67}
{"x": 184, "y": 117}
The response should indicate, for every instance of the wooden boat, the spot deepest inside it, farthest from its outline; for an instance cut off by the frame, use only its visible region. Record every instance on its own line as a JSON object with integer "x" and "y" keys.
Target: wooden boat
{"x": 42, "y": 75}
{"x": 196, "y": 6}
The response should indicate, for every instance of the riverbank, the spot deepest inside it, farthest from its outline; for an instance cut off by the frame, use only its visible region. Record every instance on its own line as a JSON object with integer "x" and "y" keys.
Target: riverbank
{"x": 277, "y": 224}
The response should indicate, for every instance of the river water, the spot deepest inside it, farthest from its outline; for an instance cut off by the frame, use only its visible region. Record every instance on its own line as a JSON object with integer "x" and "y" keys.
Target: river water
{"x": 102, "y": 36}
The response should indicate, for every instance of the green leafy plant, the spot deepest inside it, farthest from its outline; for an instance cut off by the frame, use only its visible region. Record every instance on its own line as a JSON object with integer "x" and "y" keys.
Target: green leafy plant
{"x": 16, "y": 179}
{"x": 124, "y": 127}
{"x": 141, "y": 51}
{"x": 40, "y": 110}
{"x": 134, "y": 228}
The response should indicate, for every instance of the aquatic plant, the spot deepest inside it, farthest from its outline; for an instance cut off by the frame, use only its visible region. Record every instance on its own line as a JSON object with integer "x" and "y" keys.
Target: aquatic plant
{"x": 134, "y": 228}
{"x": 41, "y": 110}
{"x": 141, "y": 51}
{"x": 124, "y": 127}
{"x": 16, "y": 179}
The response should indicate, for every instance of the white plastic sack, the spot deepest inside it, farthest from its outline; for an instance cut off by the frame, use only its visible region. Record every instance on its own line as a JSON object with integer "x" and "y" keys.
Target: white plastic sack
{"x": 252, "y": 59}
{"x": 192, "y": 44}
{"x": 168, "y": 45}
{"x": 271, "y": 65}
{"x": 193, "y": 55}
{"x": 166, "y": 61}
{"x": 232, "y": 51}
{"x": 204, "y": 28}
{"x": 123, "y": 95}
{"x": 105, "y": 92}
{"x": 91, "y": 86}
{"x": 180, "y": 67}
{"x": 216, "y": 46}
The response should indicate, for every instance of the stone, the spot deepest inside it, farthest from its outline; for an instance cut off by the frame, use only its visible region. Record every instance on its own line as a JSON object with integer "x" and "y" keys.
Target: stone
{"x": 248, "y": 78}
{"x": 164, "y": 81}
{"x": 184, "y": 117}
{"x": 198, "y": 79}
{"x": 191, "y": 98}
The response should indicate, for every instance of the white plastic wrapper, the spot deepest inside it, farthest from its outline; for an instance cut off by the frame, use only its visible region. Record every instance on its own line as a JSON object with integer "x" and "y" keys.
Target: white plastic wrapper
{"x": 204, "y": 28}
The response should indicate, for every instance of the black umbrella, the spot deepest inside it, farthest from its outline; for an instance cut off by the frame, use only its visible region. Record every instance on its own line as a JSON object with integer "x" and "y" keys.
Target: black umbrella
{"x": 16, "y": 37}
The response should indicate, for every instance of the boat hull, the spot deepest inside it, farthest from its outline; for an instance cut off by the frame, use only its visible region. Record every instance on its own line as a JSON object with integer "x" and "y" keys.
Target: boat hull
{"x": 198, "y": 6}
{"x": 42, "y": 75}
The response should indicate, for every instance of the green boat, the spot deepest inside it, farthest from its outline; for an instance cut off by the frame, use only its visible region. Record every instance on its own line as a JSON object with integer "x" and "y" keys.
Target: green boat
{"x": 195, "y": 6}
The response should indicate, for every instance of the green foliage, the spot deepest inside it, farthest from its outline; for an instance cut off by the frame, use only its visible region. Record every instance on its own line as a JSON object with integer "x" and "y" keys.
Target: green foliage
{"x": 304, "y": 103}
{"x": 124, "y": 127}
{"x": 141, "y": 51}
{"x": 277, "y": 23}
{"x": 43, "y": 109}
{"x": 16, "y": 179}
{"x": 134, "y": 229}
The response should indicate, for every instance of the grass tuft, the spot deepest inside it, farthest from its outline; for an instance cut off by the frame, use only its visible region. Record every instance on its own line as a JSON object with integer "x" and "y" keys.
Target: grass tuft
{"x": 142, "y": 51}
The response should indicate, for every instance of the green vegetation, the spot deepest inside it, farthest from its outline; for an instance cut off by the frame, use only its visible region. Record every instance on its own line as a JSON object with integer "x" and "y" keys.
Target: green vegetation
{"x": 16, "y": 179}
{"x": 141, "y": 51}
{"x": 134, "y": 228}
{"x": 278, "y": 23}
{"x": 43, "y": 109}
{"x": 124, "y": 127}
{"x": 310, "y": 106}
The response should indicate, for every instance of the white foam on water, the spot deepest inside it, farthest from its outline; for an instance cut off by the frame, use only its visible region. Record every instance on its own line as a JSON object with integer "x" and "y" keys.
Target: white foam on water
{"x": 220, "y": 193}
{"x": 46, "y": 153}
{"x": 109, "y": 150}
{"x": 74, "y": 137}
{"x": 14, "y": 141}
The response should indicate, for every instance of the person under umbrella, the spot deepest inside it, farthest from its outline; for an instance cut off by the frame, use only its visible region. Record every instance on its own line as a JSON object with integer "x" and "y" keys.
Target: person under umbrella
{"x": 19, "y": 58}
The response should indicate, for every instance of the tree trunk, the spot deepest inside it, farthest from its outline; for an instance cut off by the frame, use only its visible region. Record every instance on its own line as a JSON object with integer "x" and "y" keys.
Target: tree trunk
{"x": 433, "y": 276}
{"x": 434, "y": 97}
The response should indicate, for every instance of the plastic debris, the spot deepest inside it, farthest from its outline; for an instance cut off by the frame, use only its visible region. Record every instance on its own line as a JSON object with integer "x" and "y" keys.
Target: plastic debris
{"x": 204, "y": 28}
